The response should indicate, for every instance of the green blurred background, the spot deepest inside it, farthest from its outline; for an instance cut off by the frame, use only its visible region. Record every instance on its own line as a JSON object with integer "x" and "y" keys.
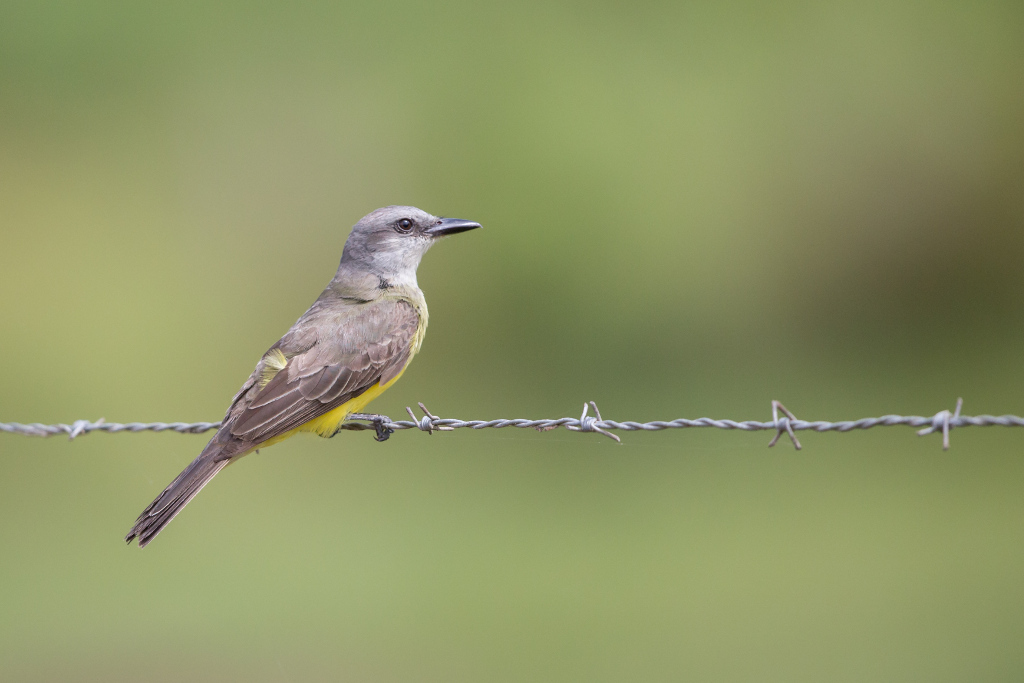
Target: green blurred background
{"x": 690, "y": 209}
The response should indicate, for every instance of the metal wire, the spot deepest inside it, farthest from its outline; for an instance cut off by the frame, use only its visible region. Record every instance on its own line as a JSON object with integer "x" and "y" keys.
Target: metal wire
{"x": 784, "y": 423}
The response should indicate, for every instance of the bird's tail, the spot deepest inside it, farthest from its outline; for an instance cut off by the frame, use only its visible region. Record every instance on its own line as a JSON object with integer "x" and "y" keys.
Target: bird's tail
{"x": 180, "y": 491}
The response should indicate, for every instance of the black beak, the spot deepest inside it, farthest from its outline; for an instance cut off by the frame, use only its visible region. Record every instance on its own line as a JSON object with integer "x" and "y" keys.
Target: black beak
{"x": 450, "y": 226}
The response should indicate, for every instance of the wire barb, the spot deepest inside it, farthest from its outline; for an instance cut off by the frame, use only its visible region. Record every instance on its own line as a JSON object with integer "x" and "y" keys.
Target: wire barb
{"x": 783, "y": 424}
{"x": 941, "y": 420}
{"x": 79, "y": 427}
{"x": 428, "y": 422}
{"x": 589, "y": 424}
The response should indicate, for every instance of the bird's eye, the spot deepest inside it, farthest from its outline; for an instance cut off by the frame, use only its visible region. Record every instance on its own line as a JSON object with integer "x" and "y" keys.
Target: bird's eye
{"x": 405, "y": 225}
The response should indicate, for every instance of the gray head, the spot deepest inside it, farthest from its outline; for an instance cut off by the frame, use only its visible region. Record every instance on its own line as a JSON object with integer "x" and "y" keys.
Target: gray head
{"x": 391, "y": 241}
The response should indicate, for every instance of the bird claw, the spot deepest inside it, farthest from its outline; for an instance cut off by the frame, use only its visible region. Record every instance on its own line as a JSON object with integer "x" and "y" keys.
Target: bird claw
{"x": 380, "y": 424}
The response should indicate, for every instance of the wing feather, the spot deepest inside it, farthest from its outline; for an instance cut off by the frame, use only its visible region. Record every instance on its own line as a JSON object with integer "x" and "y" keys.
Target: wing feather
{"x": 315, "y": 386}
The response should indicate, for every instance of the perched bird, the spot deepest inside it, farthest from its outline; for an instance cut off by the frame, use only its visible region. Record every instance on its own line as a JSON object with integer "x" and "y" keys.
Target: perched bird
{"x": 353, "y": 343}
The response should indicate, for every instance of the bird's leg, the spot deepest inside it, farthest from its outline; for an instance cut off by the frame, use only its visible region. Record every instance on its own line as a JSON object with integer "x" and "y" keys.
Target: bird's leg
{"x": 380, "y": 423}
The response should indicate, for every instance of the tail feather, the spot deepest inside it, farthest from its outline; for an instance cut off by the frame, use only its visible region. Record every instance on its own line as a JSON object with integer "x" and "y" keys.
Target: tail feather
{"x": 176, "y": 496}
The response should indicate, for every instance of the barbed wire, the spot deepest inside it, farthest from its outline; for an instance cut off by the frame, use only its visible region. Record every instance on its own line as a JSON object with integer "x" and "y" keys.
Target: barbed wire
{"x": 783, "y": 422}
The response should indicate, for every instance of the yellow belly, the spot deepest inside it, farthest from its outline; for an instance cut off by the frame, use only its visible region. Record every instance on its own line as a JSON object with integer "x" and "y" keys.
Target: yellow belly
{"x": 328, "y": 423}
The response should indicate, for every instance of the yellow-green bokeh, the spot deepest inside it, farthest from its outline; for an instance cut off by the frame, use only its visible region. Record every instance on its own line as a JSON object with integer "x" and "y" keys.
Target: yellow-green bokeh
{"x": 690, "y": 209}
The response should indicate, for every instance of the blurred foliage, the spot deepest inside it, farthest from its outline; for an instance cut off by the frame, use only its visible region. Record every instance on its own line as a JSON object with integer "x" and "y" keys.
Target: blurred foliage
{"x": 689, "y": 209}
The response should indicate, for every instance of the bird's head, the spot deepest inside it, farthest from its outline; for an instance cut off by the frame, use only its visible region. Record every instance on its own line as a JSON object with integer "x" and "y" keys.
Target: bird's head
{"x": 390, "y": 242}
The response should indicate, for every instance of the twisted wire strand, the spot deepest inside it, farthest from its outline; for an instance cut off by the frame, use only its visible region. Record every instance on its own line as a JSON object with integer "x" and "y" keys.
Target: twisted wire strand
{"x": 787, "y": 423}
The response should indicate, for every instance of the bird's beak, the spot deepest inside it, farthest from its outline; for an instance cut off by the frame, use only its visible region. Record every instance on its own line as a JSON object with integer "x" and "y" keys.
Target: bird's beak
{"x": 450, "y": 226}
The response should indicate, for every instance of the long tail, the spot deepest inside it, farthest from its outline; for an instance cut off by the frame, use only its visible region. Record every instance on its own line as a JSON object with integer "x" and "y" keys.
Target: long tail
{"x": 177, "y": 495}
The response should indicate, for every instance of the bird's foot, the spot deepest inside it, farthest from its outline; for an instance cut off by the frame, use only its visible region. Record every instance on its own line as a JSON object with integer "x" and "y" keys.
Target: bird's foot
{"x": 380, "y": 424}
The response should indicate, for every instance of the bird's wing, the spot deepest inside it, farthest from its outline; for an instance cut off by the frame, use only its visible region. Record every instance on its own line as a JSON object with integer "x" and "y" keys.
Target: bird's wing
{"x": 355, "y": 348}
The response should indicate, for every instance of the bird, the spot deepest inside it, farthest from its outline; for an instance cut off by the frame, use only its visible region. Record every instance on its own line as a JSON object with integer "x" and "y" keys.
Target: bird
{"x": 354, "y": 342}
